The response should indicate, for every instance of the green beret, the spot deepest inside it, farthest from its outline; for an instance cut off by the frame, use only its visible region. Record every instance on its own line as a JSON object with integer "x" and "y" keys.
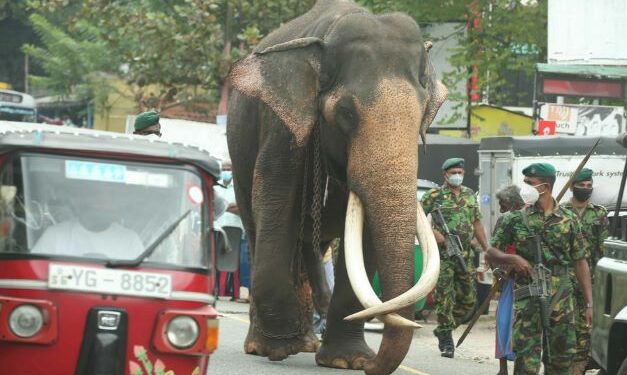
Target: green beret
{"x": 539, "y": 170}
{"x": 453, "y": 162}
{"x": 584, "y": 175}
{"x": 146, "y": 119}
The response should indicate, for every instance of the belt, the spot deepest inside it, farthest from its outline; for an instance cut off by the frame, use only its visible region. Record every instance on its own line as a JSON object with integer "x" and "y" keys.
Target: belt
{"x": 535, "y": 290}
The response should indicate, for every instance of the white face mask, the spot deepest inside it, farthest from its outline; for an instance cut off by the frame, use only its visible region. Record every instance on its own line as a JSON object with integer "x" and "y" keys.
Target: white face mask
{"x": 530, "y": 194}
{"x": 455, "y": 179}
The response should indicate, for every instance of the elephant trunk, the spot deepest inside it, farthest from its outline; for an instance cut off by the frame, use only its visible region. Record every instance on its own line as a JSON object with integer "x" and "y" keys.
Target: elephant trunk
{"x": 382, "y": 165}
{"x": 390, "y": 211}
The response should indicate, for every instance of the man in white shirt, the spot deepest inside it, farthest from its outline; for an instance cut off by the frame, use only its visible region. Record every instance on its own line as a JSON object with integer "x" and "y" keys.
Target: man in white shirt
{"x": 94, "y": 230}
{"x": 72, "y": 238}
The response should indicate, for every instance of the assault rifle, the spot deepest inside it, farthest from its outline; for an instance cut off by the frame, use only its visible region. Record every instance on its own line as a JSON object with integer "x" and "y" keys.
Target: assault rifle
{"x": 539, "y": 288}
{"x": 453, "y": 247}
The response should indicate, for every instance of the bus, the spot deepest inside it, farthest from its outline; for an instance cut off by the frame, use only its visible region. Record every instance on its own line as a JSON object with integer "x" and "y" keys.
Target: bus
{"x": 17, "y": 106}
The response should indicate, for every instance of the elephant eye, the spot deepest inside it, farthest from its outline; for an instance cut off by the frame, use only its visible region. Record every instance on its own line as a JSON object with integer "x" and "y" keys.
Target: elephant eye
{"x": 325, "y": 81}
{"x": 345, "y": 116}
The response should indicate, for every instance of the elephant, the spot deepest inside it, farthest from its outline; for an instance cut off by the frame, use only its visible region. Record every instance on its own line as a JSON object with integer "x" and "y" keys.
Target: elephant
{"x": 324, "y": 124}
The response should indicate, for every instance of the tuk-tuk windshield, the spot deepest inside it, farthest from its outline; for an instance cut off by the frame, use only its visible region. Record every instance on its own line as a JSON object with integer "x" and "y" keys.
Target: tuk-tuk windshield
{"x": 97, "y": 208}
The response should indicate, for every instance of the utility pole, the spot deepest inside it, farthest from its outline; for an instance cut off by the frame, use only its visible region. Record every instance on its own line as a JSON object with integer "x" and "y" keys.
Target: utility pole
{"x": 26, "y": 73}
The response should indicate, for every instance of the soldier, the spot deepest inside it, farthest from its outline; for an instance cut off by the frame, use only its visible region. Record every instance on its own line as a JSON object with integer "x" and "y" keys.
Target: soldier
{"x": 147, "y": 123}
{"x": 595, "y": 227}
{"x": 455, "y": 294}
{"x": 543, "y": 229}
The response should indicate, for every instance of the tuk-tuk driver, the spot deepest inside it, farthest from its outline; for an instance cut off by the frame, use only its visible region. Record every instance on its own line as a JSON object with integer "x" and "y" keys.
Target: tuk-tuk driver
{"x": 94, "y": 229}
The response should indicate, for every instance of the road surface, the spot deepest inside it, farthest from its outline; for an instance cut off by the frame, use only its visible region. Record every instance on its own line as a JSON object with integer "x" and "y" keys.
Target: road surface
{"x": 474, "y": 357}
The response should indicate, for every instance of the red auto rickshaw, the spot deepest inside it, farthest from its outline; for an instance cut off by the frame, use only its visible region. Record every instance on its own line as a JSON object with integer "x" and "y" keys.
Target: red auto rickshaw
{"x": 106, "y": 253}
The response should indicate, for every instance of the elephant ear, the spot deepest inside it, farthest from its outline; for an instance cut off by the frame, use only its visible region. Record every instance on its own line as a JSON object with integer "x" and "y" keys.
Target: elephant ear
{"x": 286, "y": 78}
{"x": 437, "y": 93}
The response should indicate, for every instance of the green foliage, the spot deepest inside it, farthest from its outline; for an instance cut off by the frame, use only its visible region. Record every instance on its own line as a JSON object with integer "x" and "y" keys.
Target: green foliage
{"x": 74, "y": 64}
{"x": 12, "y": 9}
{"x": 511, "y": 38}
{"x": 186, "y": 45}
{"x": 179, "y": 45}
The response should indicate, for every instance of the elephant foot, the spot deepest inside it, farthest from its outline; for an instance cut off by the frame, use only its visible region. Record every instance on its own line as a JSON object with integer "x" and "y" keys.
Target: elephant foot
{"x": 279, "y": 349}
{"x": 344, "y": 355}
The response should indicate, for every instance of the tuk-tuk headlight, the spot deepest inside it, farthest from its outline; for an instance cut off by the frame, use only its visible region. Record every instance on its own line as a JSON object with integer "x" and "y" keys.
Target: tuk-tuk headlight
{"x": 182, "y": 332}
{"x": 26, "y": 321}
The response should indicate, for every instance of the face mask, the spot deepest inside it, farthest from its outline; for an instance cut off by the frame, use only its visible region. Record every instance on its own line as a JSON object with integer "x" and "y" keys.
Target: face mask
{"x": 529, "y": 194}
{"x": 226, "y": 177}
{"x": 582, "y": 194}
{"x": 455, "y": 179}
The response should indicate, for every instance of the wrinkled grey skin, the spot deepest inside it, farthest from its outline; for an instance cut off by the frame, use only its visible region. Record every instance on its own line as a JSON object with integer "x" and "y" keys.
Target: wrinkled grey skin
{"x": 367, "y": 82}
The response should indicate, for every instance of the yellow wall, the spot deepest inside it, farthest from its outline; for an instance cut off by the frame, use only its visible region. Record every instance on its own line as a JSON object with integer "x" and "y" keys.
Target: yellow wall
{"x": 120, "y": 103}
{"x": 488, "y": 121}
{"x": 453, "y": 133}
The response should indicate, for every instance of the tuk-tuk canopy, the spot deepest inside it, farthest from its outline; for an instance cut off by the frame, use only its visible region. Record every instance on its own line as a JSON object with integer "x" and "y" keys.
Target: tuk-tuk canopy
{"x": 20, "y": 134}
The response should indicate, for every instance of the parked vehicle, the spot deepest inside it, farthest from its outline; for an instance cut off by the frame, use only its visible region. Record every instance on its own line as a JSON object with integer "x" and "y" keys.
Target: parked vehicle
{"x": 106, "y": 253}
{"x": 17, "y": 106}
{"x": 609, "y": 319}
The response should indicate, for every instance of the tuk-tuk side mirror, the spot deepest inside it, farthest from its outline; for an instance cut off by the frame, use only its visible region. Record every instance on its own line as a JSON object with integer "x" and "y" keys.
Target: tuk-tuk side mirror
{"x": 227, "y": 244}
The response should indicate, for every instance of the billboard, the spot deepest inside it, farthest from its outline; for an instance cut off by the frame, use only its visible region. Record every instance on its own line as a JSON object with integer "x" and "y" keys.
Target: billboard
{"x": 587, "y": 32}
{"x": 590, "y": 120}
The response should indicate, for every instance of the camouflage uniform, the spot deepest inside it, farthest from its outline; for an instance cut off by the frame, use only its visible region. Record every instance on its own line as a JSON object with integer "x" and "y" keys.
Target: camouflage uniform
{"x": 560, "y": 231}
{"x": 595, "y": 227}
{"x": 455, "y": 293}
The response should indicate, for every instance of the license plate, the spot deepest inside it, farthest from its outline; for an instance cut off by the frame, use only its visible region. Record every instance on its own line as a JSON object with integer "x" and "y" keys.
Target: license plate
{"x": 109, "y": 281}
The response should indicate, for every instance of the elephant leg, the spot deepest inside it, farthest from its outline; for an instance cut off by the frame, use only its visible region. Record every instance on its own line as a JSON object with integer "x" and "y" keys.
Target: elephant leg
{"x": 280, "y": 308}
{"x": 280, "y": 304}
{"x": 343, "y": 345}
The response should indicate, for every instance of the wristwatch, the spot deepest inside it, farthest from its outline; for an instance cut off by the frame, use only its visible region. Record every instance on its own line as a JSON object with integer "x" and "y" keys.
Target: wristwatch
{"x": 589, "y": 305}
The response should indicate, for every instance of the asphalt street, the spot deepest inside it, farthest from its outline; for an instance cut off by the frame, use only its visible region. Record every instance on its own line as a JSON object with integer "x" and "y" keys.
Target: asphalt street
{"x": 474, "y": 357}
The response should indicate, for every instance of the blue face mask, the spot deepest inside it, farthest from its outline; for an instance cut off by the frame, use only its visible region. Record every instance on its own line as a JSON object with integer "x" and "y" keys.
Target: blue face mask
{"x": 226, "y": 177}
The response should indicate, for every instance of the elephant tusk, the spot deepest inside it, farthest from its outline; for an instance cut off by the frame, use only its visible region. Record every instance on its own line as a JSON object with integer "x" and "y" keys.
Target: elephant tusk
{"x": 430, "y": 274}
{"x": 355, "y": 263}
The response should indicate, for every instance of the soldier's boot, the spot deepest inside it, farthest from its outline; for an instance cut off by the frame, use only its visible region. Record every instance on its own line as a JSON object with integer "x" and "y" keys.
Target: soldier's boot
{"x": 445, "y": 344}
{"x": 578, "y": 368}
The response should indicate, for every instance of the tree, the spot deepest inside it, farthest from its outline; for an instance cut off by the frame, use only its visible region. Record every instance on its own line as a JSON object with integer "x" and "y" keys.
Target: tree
{"x": 500, "y": 38}
{"x": 74, "y": 65}
{"x": 187, "y": 46}
{"x": 182, "y": 46}
{"x": 14, "y": 31}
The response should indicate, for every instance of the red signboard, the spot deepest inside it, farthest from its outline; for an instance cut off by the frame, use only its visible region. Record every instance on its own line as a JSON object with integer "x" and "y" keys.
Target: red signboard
{"x": 601, "y": 89}
{"x": 546, "y": 127}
